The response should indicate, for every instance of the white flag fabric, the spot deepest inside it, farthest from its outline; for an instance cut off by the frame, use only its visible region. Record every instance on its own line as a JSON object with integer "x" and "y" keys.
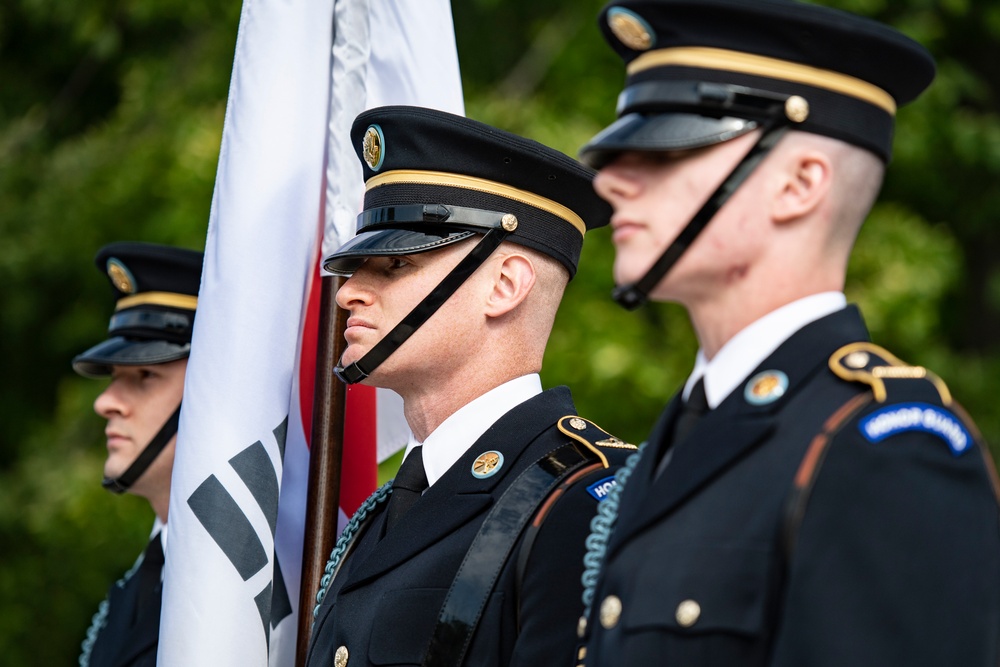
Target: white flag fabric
{"x": 231, "y": 586}
{"x": 400, "y": 52}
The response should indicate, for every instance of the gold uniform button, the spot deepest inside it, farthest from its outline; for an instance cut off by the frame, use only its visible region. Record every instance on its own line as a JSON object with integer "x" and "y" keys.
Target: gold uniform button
{"x": 611, "y": 611}
{"x": 688, "y": 613}
{"x": 340, "y": 657}
{"x": 857, "y": 359}
{"x": 797, "y": 109}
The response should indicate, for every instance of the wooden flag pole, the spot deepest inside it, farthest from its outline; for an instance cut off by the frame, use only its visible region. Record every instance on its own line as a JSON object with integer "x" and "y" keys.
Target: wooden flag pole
{"x": 323, "y": 499}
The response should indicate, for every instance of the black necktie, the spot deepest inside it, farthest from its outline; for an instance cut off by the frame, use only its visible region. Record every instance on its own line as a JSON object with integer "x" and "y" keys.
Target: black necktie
{"x": 149, "y": 574}
{"x": 410, "y": 483}
{"x": 693, "y": 409}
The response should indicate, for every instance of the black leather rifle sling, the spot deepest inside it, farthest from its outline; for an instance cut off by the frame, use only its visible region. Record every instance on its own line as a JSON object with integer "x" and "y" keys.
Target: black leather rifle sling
{"x": 473, "y": 584}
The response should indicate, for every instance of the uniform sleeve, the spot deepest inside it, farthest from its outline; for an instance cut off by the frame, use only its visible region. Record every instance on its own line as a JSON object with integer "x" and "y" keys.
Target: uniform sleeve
{"x": 550, "y": 596}
{"x": 897, "y": 558}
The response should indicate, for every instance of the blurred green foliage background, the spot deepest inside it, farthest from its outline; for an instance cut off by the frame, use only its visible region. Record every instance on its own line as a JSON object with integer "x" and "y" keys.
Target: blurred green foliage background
{"x": 110, "y": 121}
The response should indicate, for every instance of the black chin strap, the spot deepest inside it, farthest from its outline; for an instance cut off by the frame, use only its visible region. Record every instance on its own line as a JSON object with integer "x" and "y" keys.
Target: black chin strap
{"x": 364, "y": 366}
{"x": 123, "y": 482}
{"x": 632, "y": 296}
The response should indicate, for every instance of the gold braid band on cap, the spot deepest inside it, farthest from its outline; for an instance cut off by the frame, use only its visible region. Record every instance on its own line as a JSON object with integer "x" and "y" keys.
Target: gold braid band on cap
{"x": 169, "y": 299}
{"x": 480, "y": 184}
{"x": 748, "y": 63}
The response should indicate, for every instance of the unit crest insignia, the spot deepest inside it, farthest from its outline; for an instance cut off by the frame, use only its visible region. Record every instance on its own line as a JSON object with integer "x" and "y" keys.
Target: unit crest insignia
{"x": 487, "y": 464}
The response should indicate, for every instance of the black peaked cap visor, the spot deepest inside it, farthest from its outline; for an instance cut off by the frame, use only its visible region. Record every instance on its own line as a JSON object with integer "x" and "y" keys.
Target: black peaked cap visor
{"x": 388, "y": 243}
{"x": 118, "y": 351}
{"x": 661, "y": 132}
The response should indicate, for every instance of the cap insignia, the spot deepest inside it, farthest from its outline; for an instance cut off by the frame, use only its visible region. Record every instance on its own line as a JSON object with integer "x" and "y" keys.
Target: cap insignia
{"x": 120, "y": 276}
{"x": 487, "y": 464}
{"x": 765, "y": 387}
{"x": 630, "y": 29}
{"x": 373, "y": 147}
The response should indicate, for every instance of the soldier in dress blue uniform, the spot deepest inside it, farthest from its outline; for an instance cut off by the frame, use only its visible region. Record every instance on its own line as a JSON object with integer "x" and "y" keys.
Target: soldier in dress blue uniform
{"x": 806, "y": 498}
{"x": 145, "y": 356}
{"x": 467, "y": 240}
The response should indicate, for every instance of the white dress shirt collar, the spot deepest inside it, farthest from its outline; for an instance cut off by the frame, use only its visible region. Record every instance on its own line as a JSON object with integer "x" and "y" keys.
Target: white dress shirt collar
{"x": 161, "y": 528}
{"x": 751, "y": 346}
{"x": 457, "y": 433}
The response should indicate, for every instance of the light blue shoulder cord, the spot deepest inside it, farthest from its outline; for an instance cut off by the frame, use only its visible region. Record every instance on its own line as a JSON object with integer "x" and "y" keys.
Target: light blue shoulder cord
{"x": 345, "y": 539}
{"x": 100, "y": 618}
{"x": 600, "y": 530}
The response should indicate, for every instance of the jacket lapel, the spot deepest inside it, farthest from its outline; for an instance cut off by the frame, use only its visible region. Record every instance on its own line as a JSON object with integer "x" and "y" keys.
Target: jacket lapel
{"x": 459, "y": 497}
{"x": 730, "y": 431}
{"x": 146, "y": 632}
{"x": 641, "y": 478}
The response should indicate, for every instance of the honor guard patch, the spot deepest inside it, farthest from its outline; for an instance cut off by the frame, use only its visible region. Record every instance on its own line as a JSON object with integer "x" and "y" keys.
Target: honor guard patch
{"x": 906, "y": 417}
{"x": 601, "y": 488}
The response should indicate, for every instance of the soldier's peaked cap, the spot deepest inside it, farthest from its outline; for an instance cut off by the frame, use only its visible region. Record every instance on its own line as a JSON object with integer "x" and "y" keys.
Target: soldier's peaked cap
{"x": 699, "y": 72}
{"x": 433, "y": 178}
{"x": 156, "y": 295}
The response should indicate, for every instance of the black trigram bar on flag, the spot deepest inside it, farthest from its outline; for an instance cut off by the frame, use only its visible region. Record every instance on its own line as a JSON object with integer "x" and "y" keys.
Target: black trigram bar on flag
{"x": 228, "y": 525}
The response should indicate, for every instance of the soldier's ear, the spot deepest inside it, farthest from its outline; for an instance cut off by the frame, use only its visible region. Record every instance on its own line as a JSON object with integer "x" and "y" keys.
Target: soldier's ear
{"x": 513, "y": 277}
{"x": 804, "y": 184}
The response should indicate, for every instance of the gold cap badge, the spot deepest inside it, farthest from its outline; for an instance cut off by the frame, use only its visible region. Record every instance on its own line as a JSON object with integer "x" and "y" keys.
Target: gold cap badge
{"x": 373, "y": 147}
{"x": 765, "y": 387}
{"x": 487, "y": 464}
{"x": 630, "y": 29}
{"x": 120, "y": 276}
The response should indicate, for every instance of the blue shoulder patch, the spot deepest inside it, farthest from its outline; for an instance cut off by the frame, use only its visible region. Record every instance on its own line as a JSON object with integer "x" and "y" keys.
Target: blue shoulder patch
{"x": 601, "y": 488}
{"x": 925, "y": 417}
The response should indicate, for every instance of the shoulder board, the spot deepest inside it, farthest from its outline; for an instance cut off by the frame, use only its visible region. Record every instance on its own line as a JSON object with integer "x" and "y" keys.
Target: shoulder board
{"x": 872, "y": 365}
{"x": 591, "y": 436}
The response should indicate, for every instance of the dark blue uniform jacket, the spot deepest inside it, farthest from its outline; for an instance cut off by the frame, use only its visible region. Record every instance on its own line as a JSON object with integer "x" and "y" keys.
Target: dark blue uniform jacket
{"x": 852, "y": 522}
{"x": 384, "y": 602}
{"x": 131, "y": 630}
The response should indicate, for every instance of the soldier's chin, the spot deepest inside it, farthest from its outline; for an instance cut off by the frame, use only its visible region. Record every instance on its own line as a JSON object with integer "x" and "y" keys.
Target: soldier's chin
{"x": 352, "y": 354}
{"x": 625, "y": 273}
{"x": 113, "y": 470}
